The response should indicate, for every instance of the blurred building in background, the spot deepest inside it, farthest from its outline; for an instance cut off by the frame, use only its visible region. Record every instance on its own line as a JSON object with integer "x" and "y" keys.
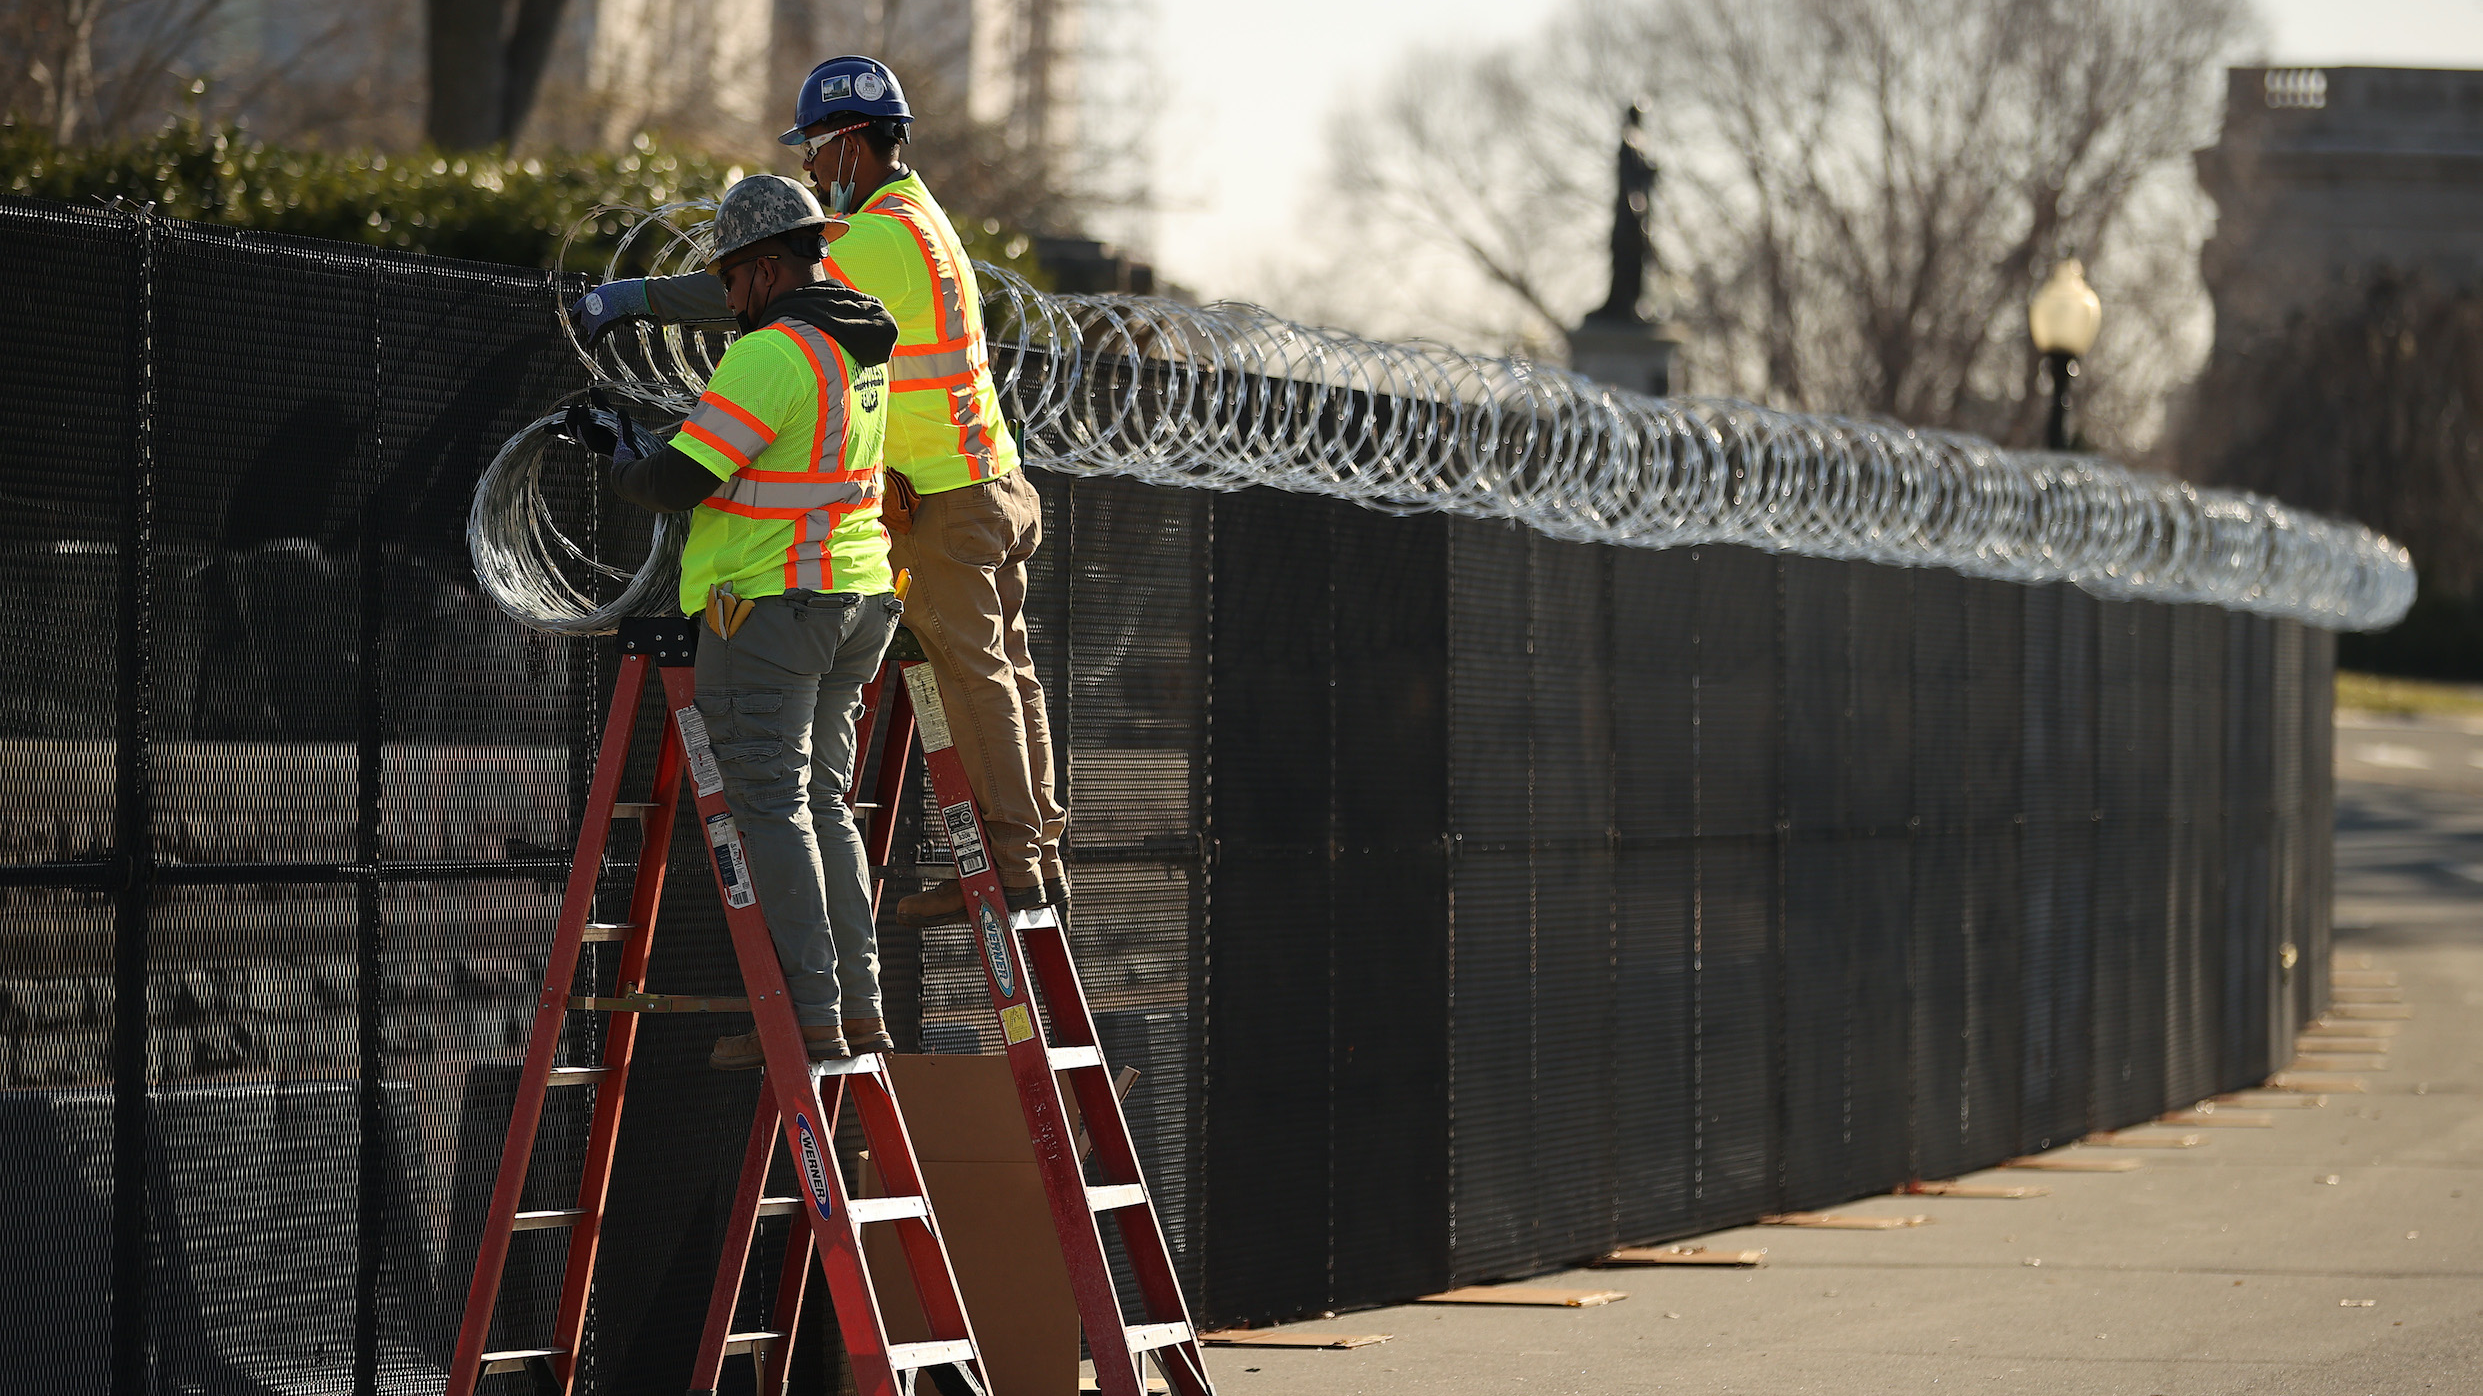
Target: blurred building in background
{"x": 1058, "y": 82}
{"x": 2326, "y": 175}
{"x": 2347, "y": 370}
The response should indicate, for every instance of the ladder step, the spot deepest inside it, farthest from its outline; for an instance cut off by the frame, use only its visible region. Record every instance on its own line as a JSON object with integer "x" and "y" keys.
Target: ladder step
{"x": 881, "y": 1209}
{"x": 632, "y": 809}
{"x": 906, "y": 1357}
{"x": 1116, "y": 1196}
{"x": 1147, "y": 1337}
{"x": 750, "y": 1342}
{"x": 548, "y": 1220}
{"x": 579, "y": 1075}
{"x": 778, "y": 1206}
{"x": 606, "y": 932}
{"x": 1069, "y": 1058}
{"x": 515, "y": 1359}
{"x": 659, "y": 1003}
{"x": 868, "y": 1064}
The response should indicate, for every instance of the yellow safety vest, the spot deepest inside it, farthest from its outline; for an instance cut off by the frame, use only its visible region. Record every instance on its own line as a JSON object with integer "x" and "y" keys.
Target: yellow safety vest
{"x": 794, "y": 428}
{"x": 944, "y": 426}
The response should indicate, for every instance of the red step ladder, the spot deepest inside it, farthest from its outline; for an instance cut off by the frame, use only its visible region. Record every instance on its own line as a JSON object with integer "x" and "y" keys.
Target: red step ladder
{"x": 802, "y": 1100}
{"x": 1026, "y": 954}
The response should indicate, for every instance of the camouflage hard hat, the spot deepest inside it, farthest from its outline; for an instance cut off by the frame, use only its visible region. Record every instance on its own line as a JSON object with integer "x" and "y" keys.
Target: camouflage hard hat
{"x": 760, "y": 207}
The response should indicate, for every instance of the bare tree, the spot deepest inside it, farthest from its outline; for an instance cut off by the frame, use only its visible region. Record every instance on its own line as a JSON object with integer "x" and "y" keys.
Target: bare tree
{"x": 80, "y": 69}
{"x": 487, "y": 60}
{"x": 1858, "y": 194}
{"x": 2369, "y": 406}
{"x": 89, "y": 70}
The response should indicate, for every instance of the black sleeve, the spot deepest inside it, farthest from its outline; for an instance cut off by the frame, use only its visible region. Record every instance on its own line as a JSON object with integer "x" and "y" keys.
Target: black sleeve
{"x": 666, "y": 482}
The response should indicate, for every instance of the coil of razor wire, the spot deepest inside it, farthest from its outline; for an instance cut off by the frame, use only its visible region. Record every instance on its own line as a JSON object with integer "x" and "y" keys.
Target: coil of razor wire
{"x": 1229, "y": 396}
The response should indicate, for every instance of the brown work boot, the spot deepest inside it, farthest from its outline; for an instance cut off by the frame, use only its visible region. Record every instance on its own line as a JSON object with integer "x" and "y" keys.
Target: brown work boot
{"x": 868, "y": 1035}
{"x": 941, "y": 904}
{"x": 742, "y": 1052}
{"x": 945, "y": 904}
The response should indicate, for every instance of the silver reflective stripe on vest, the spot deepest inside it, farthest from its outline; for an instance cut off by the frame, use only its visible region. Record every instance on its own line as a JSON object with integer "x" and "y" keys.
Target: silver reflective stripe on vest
{"x": 719, "y": 422}
{"x": 789, "y": 496}
{"x": 833, "y": 389}
{"x": 907, "y": 370}
{"x": 814, "y": 557}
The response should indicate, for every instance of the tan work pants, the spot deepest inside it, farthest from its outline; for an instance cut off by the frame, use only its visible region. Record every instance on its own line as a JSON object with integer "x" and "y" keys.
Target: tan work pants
{"x": 967, "y": 552}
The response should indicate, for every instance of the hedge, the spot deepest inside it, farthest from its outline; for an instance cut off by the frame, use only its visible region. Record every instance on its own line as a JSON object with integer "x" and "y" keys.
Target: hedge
{"x": 486, "y": 207}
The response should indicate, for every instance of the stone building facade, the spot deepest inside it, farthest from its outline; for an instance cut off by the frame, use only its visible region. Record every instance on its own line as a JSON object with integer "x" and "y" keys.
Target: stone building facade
{"x": 2325, "y": 175}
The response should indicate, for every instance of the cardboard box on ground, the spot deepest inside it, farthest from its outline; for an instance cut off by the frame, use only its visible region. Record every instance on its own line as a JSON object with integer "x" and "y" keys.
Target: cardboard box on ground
{"x": 969, "y": 1135}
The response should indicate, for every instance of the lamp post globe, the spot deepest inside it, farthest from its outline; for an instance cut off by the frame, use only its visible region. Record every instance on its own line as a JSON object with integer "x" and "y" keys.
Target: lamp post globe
{"x": 2062, "y": 319}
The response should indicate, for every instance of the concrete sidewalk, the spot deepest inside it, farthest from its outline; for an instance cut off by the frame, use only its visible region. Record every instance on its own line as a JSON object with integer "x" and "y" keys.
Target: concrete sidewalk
{"x": 2239, "y": 1266}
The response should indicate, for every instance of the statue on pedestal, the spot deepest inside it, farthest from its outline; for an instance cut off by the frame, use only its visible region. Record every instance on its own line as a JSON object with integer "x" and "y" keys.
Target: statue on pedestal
{"x": 1632, "y": 250}
{"x": 1616, "y": 343}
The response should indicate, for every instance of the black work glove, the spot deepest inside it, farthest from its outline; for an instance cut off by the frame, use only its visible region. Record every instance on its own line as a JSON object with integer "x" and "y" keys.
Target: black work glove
{"x": 607, "y": 431}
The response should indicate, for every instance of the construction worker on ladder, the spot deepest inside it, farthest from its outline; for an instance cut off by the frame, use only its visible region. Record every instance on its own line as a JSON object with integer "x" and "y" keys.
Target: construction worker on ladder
{"x": 779, "y": 466}
{"x": 964, "y": 516}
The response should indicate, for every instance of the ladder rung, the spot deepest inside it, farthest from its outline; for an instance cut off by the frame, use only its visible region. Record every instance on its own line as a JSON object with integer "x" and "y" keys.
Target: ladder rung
{"x": 778, "y": 1206}
{"x": 1115, "y": 1196}
{"x": 515, "y": 1359}
{"x": 578, "y": 1075}
{"x": 750, "y": 1342}
{"x": 905, "y": 1357}
{"x": 659, "y": 1003}
{"x": 1067, "y": 1058}
{"x": 632, "y": 809}
{"x": 606, "y": 932}
{"x": 1147, "y": 1337}
{"x": 867, "y": 1064}
{"x": 546, "y": 1221}
{"x": 881, "y": 1209}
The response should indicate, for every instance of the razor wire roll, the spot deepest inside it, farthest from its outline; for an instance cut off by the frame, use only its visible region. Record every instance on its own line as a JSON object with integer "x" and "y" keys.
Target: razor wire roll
{"x": 1230, "y": 396}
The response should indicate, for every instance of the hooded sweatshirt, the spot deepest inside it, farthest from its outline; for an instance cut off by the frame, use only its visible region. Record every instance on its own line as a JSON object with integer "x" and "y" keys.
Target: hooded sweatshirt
{"x": 670, "y": 481}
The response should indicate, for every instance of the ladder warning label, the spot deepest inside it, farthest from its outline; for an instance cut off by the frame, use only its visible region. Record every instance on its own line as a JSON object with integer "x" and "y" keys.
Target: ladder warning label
{"x": 731, "y": 867}
{"x": 703, "y": 772}
{"x": 928, "y": 714}
{"x": 1017, "y": 1023}
{"x": 965, "y": 838}
{"x": 814, "y": 1172}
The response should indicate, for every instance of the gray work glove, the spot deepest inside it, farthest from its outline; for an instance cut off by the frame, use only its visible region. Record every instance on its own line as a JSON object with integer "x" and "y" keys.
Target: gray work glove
{"x": 606, "y": 308}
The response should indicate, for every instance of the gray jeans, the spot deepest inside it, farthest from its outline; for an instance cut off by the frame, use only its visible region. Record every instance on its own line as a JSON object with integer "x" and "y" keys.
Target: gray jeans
{"x": 780, "y": 699}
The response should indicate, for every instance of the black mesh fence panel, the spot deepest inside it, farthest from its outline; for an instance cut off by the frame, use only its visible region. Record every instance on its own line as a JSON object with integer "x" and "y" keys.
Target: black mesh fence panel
{"x": 1740, "y": 681}
{"x": 70, "y": 416}
{"x": 1655, "y": 696}
{"x": 1390, "y": 1031}
{"x": 1495, "y": 1155}
{"x": 1944, "y": 872}
{"x": 1470, "y": 902}
{"x": 1271, "y": 939}
{"x": 1575, "y": 1015}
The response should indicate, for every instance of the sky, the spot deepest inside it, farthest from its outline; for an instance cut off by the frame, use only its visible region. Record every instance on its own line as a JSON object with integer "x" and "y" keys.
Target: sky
{"x": 1248, "y": 88}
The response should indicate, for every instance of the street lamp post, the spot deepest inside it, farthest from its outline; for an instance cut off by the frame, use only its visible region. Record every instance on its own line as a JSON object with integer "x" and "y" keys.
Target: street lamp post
{"x": 2062, "y": 318}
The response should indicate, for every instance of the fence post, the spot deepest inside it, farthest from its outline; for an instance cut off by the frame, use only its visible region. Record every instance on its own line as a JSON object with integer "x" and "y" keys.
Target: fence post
{"x": 370, "y": 941}
{"x": 133, "y": 853}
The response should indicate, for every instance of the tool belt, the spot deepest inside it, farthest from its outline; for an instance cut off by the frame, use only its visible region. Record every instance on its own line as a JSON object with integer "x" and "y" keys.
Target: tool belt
{"x": 898, "y": 502}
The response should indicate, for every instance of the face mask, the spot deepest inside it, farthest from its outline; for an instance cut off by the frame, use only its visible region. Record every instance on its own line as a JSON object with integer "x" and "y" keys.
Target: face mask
{"x": 742, "y": 320}
{"x": 841, "y": 192}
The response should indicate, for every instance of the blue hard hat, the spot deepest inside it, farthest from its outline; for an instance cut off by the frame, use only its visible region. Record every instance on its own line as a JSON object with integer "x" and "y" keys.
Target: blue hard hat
{"x": 851, "y": 85}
